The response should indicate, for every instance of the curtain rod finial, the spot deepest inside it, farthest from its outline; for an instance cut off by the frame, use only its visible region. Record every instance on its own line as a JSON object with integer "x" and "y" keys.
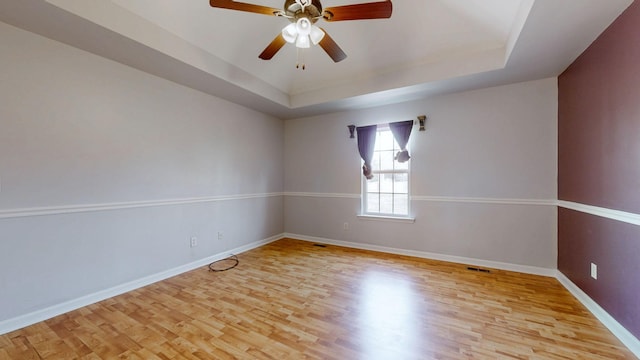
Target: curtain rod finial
{"x": 422, "y": 119}
{"x": 352, "y": 128}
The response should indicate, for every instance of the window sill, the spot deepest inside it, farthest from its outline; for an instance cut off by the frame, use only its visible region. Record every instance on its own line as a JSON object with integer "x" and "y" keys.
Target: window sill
{"x": 409, "y": 220}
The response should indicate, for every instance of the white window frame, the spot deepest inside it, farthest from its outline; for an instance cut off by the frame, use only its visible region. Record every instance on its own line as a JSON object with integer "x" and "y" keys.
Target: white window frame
{"x": 364, "y": 188}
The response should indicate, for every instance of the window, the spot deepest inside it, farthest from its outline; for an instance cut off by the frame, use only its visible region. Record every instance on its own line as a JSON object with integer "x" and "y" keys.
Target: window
{"x": 387, "y": 193}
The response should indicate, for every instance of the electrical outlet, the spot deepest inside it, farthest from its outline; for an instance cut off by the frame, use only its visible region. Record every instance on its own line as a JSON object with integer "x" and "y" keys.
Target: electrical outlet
{"x": 220, "y": 235}
{"x": 194, "y": 241}
{"x": 345, "y": 226}
{"x": 594, "y": 271}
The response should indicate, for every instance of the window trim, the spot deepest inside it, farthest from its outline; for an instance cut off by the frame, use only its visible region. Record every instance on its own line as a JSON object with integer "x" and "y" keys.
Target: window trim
{"x": 391, "y": 218}
{"x": 363, "y": 193}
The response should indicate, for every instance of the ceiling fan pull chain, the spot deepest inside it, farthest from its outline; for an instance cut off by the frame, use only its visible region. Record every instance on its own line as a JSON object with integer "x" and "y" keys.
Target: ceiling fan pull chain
{"x": 300, "y": 55}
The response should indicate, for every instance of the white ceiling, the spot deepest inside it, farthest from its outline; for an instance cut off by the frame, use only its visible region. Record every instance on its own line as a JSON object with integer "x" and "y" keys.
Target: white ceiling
{"x": 427, "y": 47}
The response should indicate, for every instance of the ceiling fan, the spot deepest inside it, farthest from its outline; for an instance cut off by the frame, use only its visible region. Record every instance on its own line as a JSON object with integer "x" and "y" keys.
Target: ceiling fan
{"x": 303, "y": 14}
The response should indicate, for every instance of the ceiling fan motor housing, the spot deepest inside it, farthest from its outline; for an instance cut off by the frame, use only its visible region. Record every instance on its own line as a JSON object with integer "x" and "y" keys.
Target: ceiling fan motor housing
{"x": 294, "y": 10}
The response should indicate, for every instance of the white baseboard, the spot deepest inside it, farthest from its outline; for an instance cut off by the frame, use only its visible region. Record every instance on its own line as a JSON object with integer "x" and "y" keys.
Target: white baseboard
{"x": 607, "y": 320}
{"x": 433, "y": 256}
{"x": 19, "y": 322}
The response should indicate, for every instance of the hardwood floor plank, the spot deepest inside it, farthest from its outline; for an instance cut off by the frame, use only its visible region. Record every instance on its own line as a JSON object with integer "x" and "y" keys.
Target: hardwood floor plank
{"x": 293, "y": 300}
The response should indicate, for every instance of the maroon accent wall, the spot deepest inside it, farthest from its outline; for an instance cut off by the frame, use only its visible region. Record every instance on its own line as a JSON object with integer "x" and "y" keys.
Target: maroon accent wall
{"x": 599, "y": 164}
{"x": 615, "y": 248}
{"x": 599, "y": 120}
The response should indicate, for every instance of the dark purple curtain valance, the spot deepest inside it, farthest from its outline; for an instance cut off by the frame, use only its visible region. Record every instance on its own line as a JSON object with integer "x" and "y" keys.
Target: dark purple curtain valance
{"x": 366, "y": 144}
{"x": 401, "y": 131}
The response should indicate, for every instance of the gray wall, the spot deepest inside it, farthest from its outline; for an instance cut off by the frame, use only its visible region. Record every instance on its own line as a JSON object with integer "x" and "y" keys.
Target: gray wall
{"x": 483, "y": 176}
{"x": 106, "y": 172}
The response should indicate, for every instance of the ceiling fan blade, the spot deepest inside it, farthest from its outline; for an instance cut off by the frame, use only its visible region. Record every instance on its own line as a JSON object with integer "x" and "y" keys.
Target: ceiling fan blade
{"x": 272, "y": 48}
{"x": 332, "y": 48}
{"x": 233, "y": 5}
{"x": 373, "y": 10}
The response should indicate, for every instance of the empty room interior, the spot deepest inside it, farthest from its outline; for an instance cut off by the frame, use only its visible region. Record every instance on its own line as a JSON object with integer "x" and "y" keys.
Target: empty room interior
{"x": 439, "y": 179}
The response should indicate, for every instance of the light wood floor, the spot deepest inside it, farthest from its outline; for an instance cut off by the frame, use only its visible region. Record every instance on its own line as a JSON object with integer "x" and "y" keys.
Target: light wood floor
{"x": 294, "y": 300}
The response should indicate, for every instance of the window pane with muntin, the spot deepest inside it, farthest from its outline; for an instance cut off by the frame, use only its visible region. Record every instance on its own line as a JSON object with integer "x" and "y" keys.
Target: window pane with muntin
{"x": 401, "y": 204}
{"x": 373, "y": 185}
{"x": 401, "y": 183}
{"x": 373, "y": 202}
{"x": 386, "y": 183}
{"x": 384, "y": 140}
{"x": 386, "y": 160}
{"x": 386, "y": 203}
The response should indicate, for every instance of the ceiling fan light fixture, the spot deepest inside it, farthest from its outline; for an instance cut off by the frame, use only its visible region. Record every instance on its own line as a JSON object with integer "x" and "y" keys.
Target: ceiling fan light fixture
{"x": 303, "y": 42}
{"x": 316, "y": 35}
{"x": 289, "y": 33}
{"x": 303, "y": 26}
{"x": 302, "y": 33}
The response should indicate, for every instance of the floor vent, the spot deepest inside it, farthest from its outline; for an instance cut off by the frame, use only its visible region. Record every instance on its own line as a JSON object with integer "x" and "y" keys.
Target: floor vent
{"x": 478, "y": 269}
{"x": 320, "y": 245}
